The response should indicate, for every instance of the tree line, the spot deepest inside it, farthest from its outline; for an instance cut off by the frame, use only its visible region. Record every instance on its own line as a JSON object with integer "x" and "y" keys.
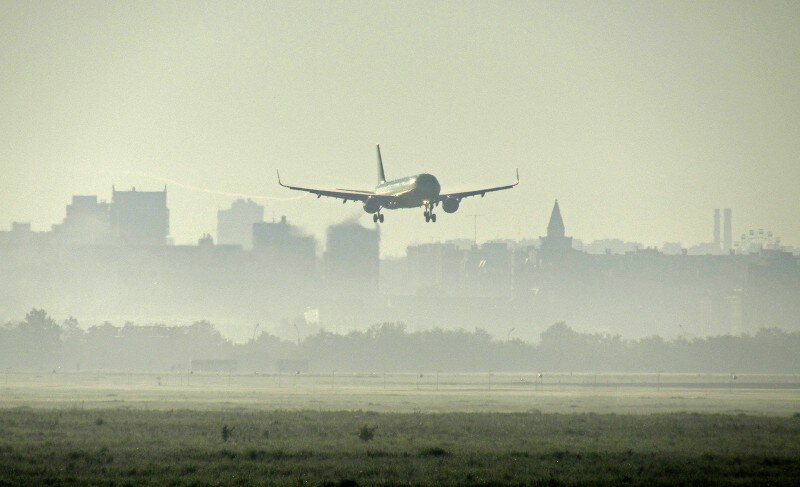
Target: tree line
{"x": 40, "y": 343}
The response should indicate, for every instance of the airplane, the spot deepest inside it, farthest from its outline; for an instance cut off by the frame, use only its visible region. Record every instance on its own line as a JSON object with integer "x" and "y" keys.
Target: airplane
{"x": 422, "y": 190}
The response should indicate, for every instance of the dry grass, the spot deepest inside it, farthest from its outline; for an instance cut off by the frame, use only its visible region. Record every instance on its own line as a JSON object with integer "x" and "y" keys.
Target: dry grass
{"x": 184, "y": 447}
{"x": 124, "y": 429}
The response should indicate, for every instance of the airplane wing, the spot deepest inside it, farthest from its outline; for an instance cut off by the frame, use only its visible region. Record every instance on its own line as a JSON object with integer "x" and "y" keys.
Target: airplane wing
{"x": 343, "y": 194}
{"x": 475, "y": 192}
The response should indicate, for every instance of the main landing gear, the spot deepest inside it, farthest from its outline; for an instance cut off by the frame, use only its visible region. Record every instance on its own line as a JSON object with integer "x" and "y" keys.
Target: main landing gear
{"x": 377, "y": 217}
{"x": 430, "y": 216}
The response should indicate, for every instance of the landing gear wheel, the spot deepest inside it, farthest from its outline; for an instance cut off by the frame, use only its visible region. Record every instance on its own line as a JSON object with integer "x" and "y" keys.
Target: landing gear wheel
{"x": 380, "y": 218}
{"x": 375, "y": 217}
{"x": 429, "y": 215}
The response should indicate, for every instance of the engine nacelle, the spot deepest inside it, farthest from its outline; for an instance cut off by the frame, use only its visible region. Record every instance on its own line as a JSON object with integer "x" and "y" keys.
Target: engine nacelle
{"x": 450, "y": 205}
{"x": 372, "y": 205}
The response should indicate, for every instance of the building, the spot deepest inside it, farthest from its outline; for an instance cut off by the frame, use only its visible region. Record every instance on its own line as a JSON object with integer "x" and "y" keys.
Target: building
{"x": 608, "y": 246}
{"x": 555, "y": 246}
{"x": 235, "y": 225}
{"x": 286, "y": 246}
{"x": 435, "y": 267}
{"x": 21, "y": 235}
{"x": 727, "y": 230}
{"x": 87, "y": 222}
{"x": 352, "y": 259}
{"x": 488, "y": 270}
{"x": 139, "y": 217}
{"x": 672, "y": 248}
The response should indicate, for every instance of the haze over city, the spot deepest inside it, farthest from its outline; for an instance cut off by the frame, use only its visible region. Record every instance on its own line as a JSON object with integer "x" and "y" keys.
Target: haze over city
{"x": 602, "y": 289}
{"x": 639, "y": 118}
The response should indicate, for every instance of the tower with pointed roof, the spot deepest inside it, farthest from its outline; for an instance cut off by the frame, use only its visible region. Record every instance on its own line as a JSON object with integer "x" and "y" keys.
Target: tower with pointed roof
{"x": 556, "y": 246}
{"x": 555, "y": 229}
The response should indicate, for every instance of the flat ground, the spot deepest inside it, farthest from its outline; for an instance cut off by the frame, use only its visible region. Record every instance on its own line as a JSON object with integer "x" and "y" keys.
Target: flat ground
{"x": 132, "y": 429}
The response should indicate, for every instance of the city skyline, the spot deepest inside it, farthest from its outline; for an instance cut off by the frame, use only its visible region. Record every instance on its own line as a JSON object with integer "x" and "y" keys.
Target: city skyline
{"x": 250, "y": 212}
{"x": 638, "y": 117}
{"x": 113, "y": 260}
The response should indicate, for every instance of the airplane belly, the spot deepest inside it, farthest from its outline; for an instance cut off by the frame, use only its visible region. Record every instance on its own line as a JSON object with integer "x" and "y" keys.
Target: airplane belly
{"x": 416, "y": 198}
{"x": 411, "y": 192}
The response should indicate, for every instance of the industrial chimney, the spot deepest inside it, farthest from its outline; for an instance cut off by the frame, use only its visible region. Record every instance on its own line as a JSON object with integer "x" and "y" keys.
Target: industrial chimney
{"x": 728, "y": 234}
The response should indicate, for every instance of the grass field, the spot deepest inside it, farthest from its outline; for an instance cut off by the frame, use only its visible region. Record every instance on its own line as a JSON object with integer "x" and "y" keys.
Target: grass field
{"x": 133, "y": 429}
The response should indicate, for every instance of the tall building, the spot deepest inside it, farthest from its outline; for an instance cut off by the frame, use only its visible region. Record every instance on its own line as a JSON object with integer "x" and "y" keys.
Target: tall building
{"x": 235, "y": 225}
{"x": 352, "y": 259}
{"x": 727, "y": 229}
{"x": 87, "y": 222}
{"x": 717, "y": 240}
{"x": 556, "y": 245}
{"x": 139, "y": 217}
{"x": 286, "y": 246}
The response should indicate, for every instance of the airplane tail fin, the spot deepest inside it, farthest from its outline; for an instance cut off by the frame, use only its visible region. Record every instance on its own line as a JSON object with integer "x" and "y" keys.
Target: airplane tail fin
{"x": 381, "y": 175}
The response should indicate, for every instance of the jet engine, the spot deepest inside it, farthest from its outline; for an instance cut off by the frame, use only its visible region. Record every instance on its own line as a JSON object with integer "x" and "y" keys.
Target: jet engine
{"x": 450, "y": 205}
{"x": 372, "y": 205}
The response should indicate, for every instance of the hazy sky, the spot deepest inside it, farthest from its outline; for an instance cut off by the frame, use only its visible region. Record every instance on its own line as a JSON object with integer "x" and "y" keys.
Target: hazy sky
{"x": 640, "y": 117}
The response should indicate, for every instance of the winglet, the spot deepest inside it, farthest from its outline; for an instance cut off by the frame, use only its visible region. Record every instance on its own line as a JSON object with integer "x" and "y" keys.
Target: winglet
{"x": 381, "y": 175}
{"x": 517, "y": 175}
{"x": 279, "y": 178}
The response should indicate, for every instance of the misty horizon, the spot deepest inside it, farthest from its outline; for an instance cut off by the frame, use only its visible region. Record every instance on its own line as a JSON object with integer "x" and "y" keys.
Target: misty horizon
{"x": 741, "y": 237}
{"x": 112, "y": 261}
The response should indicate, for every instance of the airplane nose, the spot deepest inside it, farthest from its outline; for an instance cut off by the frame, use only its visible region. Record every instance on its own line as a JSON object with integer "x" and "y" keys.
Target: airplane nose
{"x": 429, "y": 183}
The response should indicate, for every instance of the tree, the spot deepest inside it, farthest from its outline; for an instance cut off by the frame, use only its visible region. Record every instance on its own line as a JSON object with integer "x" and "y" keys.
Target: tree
{"x": 35, "y": 342}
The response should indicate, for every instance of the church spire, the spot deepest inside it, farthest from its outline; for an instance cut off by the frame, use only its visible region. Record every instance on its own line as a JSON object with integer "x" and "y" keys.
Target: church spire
{"x": 556, "y": 226}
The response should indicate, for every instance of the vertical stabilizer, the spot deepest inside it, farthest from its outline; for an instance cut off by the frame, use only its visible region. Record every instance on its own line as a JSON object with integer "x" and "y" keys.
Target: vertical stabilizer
{"x": 381, "y": 175}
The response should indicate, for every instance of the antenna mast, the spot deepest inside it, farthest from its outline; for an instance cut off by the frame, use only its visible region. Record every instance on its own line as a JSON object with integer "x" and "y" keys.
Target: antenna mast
{"x": 475, "y": 228}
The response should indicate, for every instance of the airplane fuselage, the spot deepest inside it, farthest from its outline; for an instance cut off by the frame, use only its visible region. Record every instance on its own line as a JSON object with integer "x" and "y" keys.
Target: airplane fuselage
{"x": 422, "y": 190}
{"x": 410, "y": 192}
